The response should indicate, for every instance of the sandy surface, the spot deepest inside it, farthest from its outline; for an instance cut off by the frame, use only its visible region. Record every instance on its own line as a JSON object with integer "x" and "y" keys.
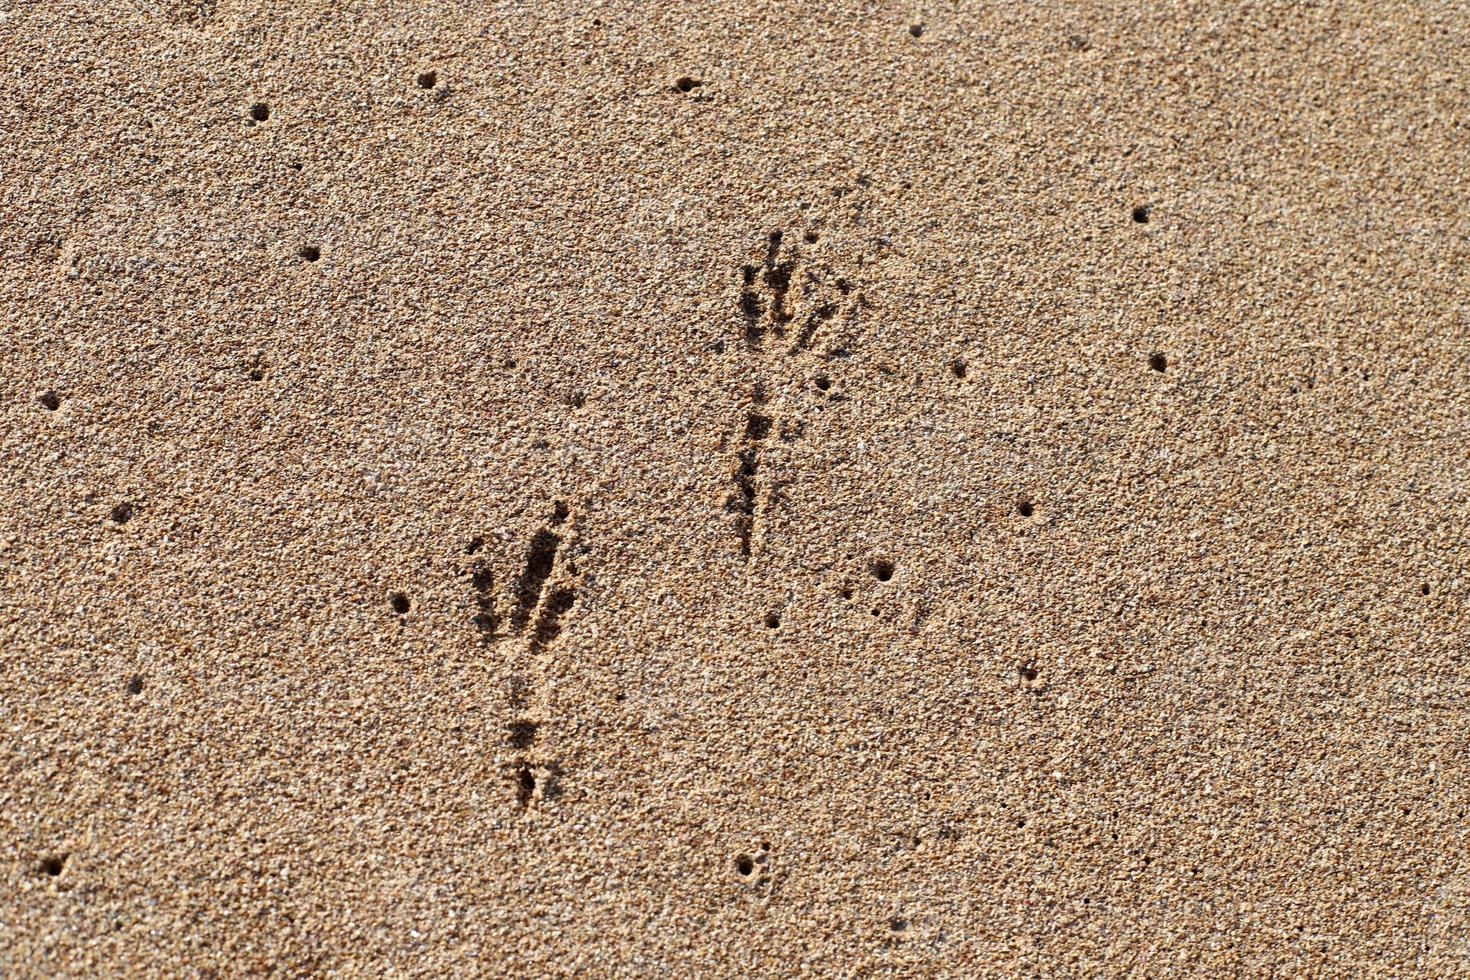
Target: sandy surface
{"x": 703, "y": 489}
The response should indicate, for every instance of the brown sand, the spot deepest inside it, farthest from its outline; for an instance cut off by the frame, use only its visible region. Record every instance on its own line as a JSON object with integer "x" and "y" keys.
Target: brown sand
{"x": 737, "y": 488}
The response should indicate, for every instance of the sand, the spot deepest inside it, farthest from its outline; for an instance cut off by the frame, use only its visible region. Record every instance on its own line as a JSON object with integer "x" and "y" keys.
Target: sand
{"x": 734, "y": 489}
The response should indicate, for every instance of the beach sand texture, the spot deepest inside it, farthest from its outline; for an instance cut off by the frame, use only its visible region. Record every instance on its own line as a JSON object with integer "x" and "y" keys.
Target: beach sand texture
{"x": 712, "y": 489}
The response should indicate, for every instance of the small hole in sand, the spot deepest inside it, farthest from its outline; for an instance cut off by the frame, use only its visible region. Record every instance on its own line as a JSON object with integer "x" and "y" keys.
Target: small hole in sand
{"x": 686, "y": 84}
{"x": 744, "y": 866}
{"x": 810, "y": 238}
{"x": 475, "y": 546}
{"x": 122, "y": 513}
{"x": 256, "y": 374}
{"x": 847, "y": 592}
{"x": 49, "y": 400}
{"x": 525, "y": 781}
{"x": 135, "y": 684}
{"x": 399, "y": 602}
{"x": 1025, "y": 508}
{"x": 898, "y": 923}
{"x": 427, "y": 79}
{"x": 260, "y": 112}
{"x": 883, "y": 569}
{"x": 1424, "y": 589}
{"x": 773, "y": 620}
{"x": 823, "y": 382}
{"x": 916, "y": 30}
{"x": 1028, "y": 672}
{"x": 1158, "y": 362}
{"x": 53, "y": 865}
{"x": 310, "y": 253}
{"x": 559, "y": 511}
{"x": 1140, "y": 213}
{"x": 958, "y": 369}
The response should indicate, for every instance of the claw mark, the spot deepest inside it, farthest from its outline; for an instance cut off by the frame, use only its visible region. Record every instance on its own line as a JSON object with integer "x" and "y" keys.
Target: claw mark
{"x": 486, "y": 618}
{"x": 525, "y": 784}
{"x": 750, "y": 308}
{"x": 778, "y": 279}
{"x": 743, "y": 502}
{"x": 773, "y": 247}
{"x": 540, "y": 557}
{"x": 548, "y": 623}
{"x": 532, "y": 779}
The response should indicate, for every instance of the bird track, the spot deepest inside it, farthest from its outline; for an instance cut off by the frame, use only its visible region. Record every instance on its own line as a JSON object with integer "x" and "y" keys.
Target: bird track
{"x": 540, "y": 597}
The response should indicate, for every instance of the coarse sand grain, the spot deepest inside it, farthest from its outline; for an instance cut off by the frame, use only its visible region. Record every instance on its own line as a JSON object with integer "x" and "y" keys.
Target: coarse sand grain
{"x": 726, "y": 489}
